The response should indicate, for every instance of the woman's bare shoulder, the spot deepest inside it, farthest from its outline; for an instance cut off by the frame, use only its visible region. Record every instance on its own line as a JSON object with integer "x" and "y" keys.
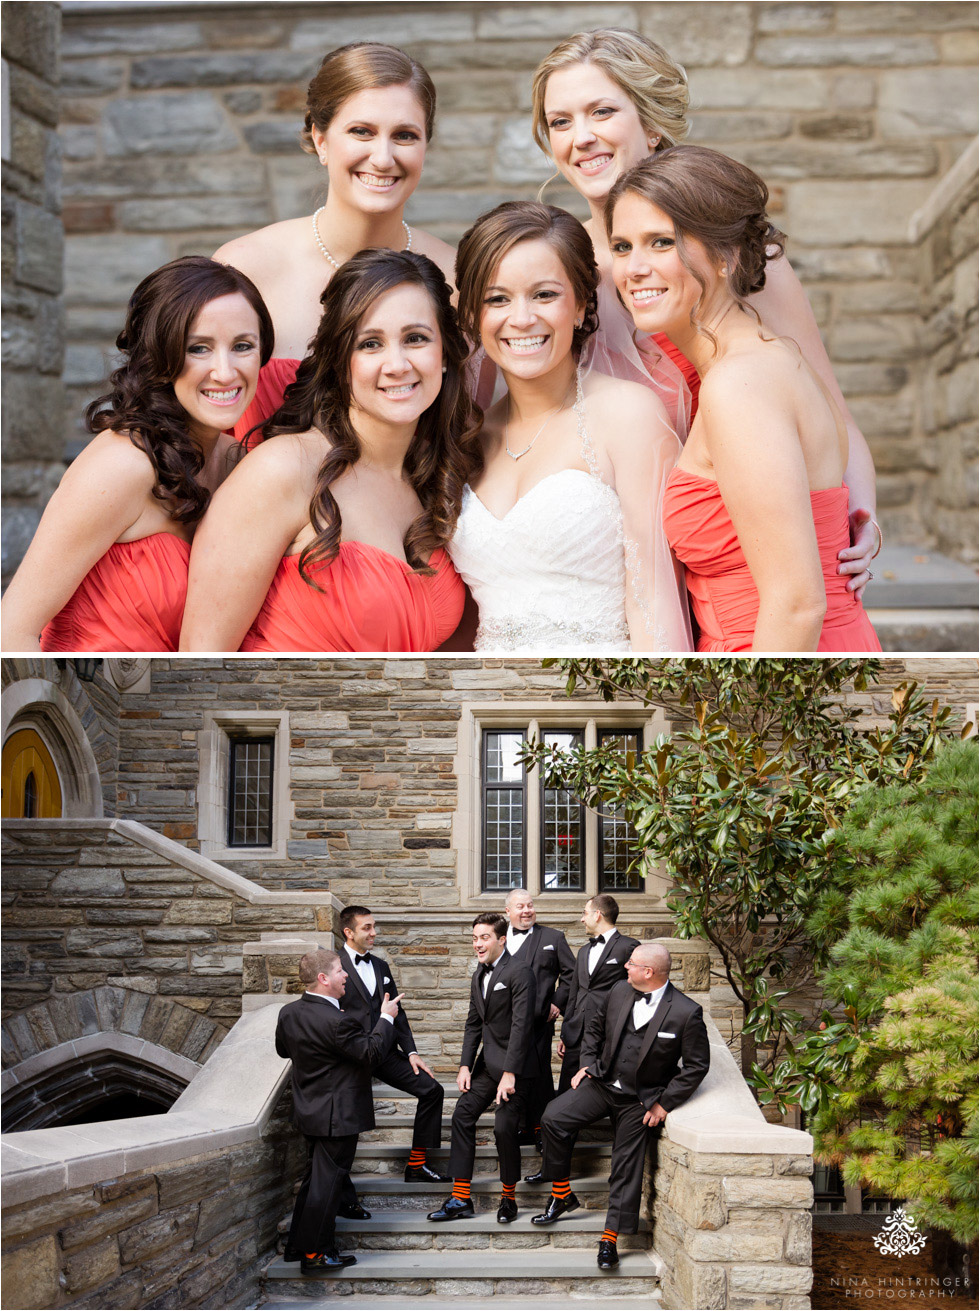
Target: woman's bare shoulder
{"x": 111, "y": 455}
{"x": 439, "y": 251}
{"x": 266, "y": 250}
{"x": 621, "y": 400}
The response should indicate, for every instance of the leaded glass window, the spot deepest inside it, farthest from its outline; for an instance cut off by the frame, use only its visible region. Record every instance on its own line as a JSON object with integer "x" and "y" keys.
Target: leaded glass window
{"x": 504, "y": 811}
{"x": 615, "y": 833}
{"x": 250, "y": 792}
{"x": 562, "y": 829}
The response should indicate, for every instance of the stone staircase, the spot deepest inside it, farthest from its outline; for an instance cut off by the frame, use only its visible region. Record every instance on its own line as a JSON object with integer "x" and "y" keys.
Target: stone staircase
{"x": 401, "y": 1255}
{"x": 922, "y": 601}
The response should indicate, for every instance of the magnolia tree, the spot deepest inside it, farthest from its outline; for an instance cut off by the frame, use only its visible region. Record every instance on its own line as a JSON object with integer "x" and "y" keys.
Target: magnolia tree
{"x": 740, "y": 803}
{"x": 891, "y": 1088}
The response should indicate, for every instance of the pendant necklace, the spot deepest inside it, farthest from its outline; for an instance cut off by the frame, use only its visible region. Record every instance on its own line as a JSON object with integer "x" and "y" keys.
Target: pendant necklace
{"x": 518, "y": 455}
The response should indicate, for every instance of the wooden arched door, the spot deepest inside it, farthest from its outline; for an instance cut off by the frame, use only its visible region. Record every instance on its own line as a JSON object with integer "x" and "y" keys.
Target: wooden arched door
{"x": 31, "y": 789}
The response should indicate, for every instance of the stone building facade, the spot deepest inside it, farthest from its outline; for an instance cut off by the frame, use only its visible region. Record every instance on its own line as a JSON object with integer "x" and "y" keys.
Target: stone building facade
{"x": 179, "y": 130}
{"x": 33, "y": 269}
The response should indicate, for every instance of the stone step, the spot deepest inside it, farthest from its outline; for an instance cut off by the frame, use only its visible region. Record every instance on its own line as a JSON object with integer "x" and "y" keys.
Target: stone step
{"x": 465, "y": 1275}
{"x": 391, "y": 1158}
{"x": 409, "y": 1230}
{"x": 920, "y": 600}
{"x": 501, "y": 1302}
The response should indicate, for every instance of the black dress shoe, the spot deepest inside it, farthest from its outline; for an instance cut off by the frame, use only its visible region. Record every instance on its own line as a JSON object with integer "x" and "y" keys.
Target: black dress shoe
{"x": 355, "y": 1212}
{"x": 322, "y": 1261}
{"x": 608, "y": 1256}
{"x": 454, "y": 1208}
{"x": 556, "y": 1206}
{"x": 506, "y": 1211}
{"x": 423, "y": 1174}
{"x": 290, "y": 1253}
{"x": 536, "y": 1178}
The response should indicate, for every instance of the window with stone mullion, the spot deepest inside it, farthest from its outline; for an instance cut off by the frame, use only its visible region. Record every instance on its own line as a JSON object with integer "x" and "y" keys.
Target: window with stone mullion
{"x": 616, "y": 834}
{"x": 562, "y": 828}
{"x": 250, "y": 792}
{"x": 504, "y": 811}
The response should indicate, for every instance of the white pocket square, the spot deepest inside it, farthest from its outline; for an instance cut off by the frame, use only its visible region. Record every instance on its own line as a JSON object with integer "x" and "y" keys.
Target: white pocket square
{"x": 662, "y": 1034}
{"x": 549, "y": 947}
{"x": 612, "y": 961}
{"x": 387, "y": 980}
{"x": 497, "y": 986}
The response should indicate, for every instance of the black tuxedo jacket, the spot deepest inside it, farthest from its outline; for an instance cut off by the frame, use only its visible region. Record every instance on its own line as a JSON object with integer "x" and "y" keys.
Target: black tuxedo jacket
{"x": 332, "y": 1056}
{"x": 503, "y": 1021}
{"x": 587, "y": 989}
{"x": 358, "y": 1002}
{"x": 549, "y": 958}
{"x": 676, "y": 1032}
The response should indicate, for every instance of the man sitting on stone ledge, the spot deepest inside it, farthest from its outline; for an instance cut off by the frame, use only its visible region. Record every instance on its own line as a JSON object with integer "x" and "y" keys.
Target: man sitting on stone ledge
{"x": 332, "y": 1056}
{"x": 632, "y": 1071}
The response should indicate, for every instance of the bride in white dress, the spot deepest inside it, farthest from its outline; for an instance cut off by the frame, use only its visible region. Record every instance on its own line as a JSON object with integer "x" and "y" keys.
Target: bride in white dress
{"x": 559, "y": 537}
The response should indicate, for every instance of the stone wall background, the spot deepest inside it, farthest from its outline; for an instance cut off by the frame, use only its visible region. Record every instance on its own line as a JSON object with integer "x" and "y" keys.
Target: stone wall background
{"x": 33, "y": 266}
{"x": 179, "y": 130}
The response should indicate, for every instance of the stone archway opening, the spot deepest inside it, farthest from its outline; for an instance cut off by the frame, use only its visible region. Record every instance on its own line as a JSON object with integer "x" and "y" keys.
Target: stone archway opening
{"x": 90, "y": 1088}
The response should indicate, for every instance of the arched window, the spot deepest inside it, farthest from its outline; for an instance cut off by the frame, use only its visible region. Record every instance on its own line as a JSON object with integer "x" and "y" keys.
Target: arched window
{"x": 31, "y": 788}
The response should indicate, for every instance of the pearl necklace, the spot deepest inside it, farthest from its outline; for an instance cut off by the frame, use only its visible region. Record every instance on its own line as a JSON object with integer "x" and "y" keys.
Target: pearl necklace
{"x": 326, "y": 253}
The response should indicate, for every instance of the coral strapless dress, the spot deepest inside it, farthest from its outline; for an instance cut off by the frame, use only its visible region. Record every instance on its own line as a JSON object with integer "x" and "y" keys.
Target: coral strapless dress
{"x": 722, "y": 591}
{"x": 130, "y": 600}
{"x": 274, "y": 378}
{"x": 371, "y": 601}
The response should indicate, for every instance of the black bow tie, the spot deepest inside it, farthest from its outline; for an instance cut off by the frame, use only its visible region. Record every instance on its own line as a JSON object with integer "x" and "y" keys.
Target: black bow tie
{"x": 485, "y": 970}
{"x": 644, "y": 996}
{"x": 358, "y": 959}
{"x": 597, "y": 939}
{"x": 519, "y": 933}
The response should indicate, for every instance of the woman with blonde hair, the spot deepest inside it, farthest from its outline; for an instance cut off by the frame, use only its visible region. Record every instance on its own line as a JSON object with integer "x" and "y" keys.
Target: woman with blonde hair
{"x": 602, "y": 102}
{"x": 369, "y": 118}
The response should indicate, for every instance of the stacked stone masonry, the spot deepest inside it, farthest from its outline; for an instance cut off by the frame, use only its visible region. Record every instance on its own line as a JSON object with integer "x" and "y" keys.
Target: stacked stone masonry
{"x": 33, "y": 258}
{"x": 179, "y": 132}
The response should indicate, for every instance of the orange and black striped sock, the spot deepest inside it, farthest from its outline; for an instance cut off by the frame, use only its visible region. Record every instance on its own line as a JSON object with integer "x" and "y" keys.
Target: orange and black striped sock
{"x": 508, "y": 1190}
{"x": 608, "y": 1236}
{"x": 416, "y": 1159}
{"x": 561, "y": 1188}
{"x": 461, "y": 1189}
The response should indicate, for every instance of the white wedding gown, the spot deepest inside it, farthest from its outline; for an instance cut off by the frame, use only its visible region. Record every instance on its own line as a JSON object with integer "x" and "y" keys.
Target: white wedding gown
{"x": 557, "y": 574}
{"x": 549, "y": 578}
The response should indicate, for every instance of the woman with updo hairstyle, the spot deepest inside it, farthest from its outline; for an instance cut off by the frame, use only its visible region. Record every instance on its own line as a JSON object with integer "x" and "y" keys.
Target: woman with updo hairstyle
{"x": 369, "y": 118}
{"x": 107, "y": 569}
{"x": 330, "y": 534}
{"x": 559, "y": 536}
{"x": 602, "y": 102}
{"x": 756, "y": 509}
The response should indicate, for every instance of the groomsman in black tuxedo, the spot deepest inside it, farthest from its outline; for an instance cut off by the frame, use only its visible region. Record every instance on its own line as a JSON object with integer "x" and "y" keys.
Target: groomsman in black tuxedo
{"x": 500, "y": 1027}
{"x": 550, "y": 960}
{"x": 600, "y": 964}
{"x": 644, "y": 1053}
{"x": 331, "y": 1056}
{"x": 369, "y": 979}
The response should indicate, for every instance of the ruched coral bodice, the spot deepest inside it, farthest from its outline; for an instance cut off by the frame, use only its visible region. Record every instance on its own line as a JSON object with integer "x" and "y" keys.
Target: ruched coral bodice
{"x": 370, "y": 601}
{"x": 132, "y": 599}
{"x": 721, "y": 587}
{"x": 274, "y": 378}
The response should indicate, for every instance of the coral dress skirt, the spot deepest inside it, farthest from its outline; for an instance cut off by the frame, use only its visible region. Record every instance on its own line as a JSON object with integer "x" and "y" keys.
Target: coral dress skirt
{"x": 368, "y": 600}
{"x": 132, "y": 599}
{"x": 722, "y": 591}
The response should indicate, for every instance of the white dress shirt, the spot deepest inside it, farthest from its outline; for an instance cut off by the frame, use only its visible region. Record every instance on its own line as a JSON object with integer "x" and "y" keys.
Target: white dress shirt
{"x": 643, "y": 1011}
{"x": 515, "y": 941}
{"x": 365, "y": 970}
{"x": 596, "y": 951}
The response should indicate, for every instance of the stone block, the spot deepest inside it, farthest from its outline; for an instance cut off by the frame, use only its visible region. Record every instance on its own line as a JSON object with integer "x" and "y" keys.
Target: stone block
{"x": 40, "y": 245}
{"x": 826, "y": 51}
{"x": 796, "y": 1193}
{"x": 103, "y": 943}
{"x": 30, "y": 38}
{"x": 30, "y": 1272}
{"x": 928, "y": 102}
{"x": 109, "y": 1219}
{"x": 724, "y": 88}
{"x": 693, "y": 1284}
{"x": 188, "y": 1183}
{"x": 889, "y": 337}
{"x": 717, "y": 130}
{"x": 185, "y": 215}
{"x": 402, "y": 26}
{"x": 701, "y": 33}
{"x": 161, "y": 1232}
{"x": 769, "y": 1279}
{"x": 222, "y": 68}
{"x": 731, "y": 1164}
{"x": 799, "y": 17}
{"x": 799, "y": 1239}
{"x": 84, "y": 41}
{"x": 697, "y": 1200}
{"x": 736, "y": 1243}
{"x": 794, "y": 1165}
{"x": 92, "y": 77}
{"x": 90, "y": 1267}
{"x": 101, "y": 270}
{"x": 188, "y": 123}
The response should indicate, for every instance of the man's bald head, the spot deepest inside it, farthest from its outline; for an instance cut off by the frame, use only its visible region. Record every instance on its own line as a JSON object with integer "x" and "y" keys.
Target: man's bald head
{"x": 648, "y": 967}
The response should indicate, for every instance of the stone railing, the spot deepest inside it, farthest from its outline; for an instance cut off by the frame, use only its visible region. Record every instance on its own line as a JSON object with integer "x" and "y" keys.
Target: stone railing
{"x": 943, "y": 234}
{"x": 732, "y": 1198}
{"x": 168, "y": 1210}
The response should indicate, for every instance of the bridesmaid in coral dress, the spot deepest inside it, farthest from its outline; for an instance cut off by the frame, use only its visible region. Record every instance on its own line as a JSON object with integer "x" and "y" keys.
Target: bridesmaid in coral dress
{"x": 330, "y": 534}
{"x": 756, "y": 508}
{"x": 107, "y": 569}
{"x": 370, "y": 111}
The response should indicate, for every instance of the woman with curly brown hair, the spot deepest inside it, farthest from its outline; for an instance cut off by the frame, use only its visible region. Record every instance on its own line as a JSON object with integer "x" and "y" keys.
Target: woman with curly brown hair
{"x": 370, "y": 113}
{"x": 757, "y": 507}
{"x": 107, "y": 569}
{"x": 330, "y": 534}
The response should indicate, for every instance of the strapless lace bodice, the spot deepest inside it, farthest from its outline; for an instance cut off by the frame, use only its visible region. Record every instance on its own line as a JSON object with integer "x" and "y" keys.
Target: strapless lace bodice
{"x": 550, "y": 576}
